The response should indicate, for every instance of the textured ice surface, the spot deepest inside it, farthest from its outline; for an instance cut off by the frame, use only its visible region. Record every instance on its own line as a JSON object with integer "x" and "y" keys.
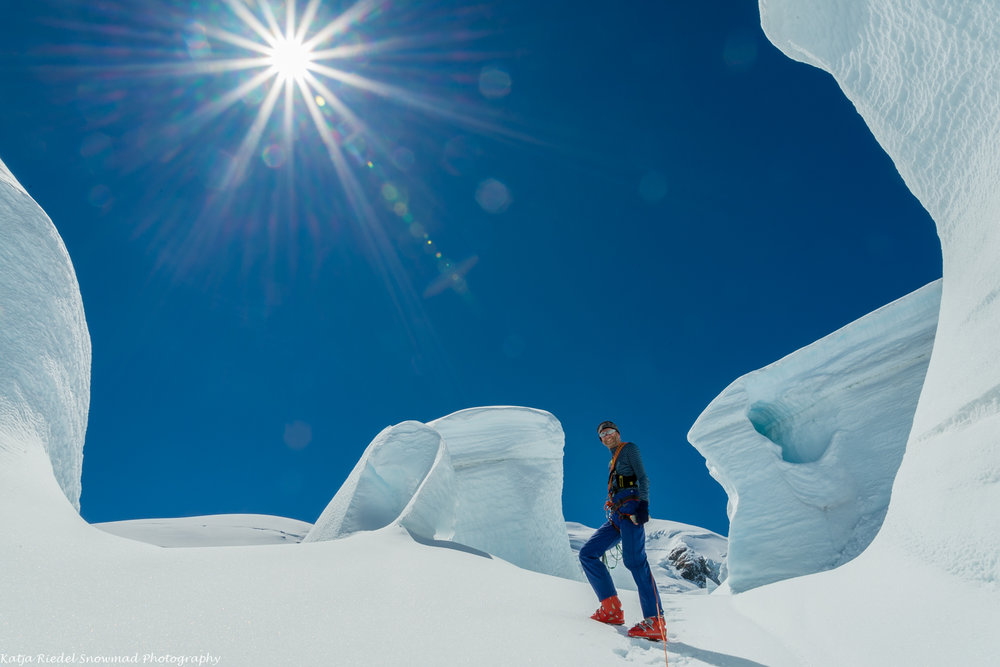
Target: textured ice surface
{"x": 488, "y": 478}
{"x": 807, "y": 448}
{"x": 44, "y": 343}
{"x": 925, "y": 76}
{"x": 7, "y": 178}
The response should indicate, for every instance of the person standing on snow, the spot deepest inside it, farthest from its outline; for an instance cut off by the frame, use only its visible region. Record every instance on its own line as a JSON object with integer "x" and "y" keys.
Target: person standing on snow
{"x": 628, "y": 510}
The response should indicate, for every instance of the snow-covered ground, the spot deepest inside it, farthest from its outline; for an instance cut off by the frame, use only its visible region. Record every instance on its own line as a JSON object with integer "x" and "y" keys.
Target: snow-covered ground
{"x": 399, "y": 588}
{"x": 220, "y": 530}
{"x": 376, "y": 597}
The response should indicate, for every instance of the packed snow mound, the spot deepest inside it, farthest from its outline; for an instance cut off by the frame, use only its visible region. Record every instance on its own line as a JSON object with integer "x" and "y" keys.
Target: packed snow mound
{"x": 44, "y": 342}
{"x": 807, "y": 448}
{"x": 683, "y": 558}
{"x": 487, "y": 478}
{"x": 925, "y": 76}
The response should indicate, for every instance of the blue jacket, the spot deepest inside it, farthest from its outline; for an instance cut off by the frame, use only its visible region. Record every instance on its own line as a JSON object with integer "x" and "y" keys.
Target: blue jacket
{"x": 629, "y": 464}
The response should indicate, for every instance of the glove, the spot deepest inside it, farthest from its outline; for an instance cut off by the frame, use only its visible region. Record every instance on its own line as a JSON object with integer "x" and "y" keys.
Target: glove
{"x": 641, "y": 514}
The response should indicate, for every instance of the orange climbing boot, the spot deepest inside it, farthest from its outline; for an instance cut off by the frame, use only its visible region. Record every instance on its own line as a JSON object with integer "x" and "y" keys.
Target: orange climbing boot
{"x": 610, "y": 611}
{"x": 651, "y": 628}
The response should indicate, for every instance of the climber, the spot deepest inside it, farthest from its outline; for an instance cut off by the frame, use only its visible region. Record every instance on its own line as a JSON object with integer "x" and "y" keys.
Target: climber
{"x": 627, "y": 509}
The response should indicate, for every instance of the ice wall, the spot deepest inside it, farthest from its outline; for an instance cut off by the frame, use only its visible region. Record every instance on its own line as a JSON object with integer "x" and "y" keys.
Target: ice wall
{"x": 807, "y": 448}
{"x": 488, "y": 478}
{"x": 44, "y": 342}
{"x": 925, "y": 76}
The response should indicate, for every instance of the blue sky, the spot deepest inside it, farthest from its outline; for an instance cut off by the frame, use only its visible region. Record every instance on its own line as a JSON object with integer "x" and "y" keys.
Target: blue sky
{"x": 634, "y": 204}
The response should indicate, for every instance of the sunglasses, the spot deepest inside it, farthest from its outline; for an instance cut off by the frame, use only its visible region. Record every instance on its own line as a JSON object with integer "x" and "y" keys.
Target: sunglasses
{"x": 607, "y": 431}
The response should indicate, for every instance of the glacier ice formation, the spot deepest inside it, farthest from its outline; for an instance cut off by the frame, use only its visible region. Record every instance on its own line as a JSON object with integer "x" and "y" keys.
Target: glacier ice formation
{"x": 807, "y": 448}
{"x": 925, "y": 76}
{"x": 488, "y": 478}
{"x": 44, "y": 342}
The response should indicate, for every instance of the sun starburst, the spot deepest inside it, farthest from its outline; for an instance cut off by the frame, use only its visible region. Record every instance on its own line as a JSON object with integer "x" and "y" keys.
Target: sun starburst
{"x": 308, "y": 64}
{"x": 295, "y": 60}
{"x": 290, "y": 59}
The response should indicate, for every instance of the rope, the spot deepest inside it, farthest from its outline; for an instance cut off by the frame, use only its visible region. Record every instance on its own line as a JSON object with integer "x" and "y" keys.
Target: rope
{"x": 663, "y": 625}
{"x": 616, "y": 556}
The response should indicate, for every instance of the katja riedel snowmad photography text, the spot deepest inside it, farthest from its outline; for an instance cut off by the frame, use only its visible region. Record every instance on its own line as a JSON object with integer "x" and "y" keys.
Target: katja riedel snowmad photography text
{"x": 109, "y": 659}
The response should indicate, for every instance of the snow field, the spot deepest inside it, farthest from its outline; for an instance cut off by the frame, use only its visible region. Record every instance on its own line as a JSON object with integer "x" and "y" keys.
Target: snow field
{"x": 225, "y": 530}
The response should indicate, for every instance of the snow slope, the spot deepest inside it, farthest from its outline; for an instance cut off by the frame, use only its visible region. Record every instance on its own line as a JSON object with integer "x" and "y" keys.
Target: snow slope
{"x": 374, "y": 597}
{"x": 684, "y": 558}
{"x": 807, "y": 448}
{"x": 44, "y": 342}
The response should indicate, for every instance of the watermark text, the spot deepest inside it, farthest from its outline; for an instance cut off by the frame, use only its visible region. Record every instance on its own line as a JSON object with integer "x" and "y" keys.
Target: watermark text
{"x": 80, "y": 658}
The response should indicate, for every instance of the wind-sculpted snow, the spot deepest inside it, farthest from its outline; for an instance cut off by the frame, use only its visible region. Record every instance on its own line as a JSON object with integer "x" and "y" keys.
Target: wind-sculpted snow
{"x": 807, "y": 448}
{"x": 44, "y": 343}
{"x": 402, "y": 465}
{"x": 488, "y": 478}
{"x": 925, "y": 76}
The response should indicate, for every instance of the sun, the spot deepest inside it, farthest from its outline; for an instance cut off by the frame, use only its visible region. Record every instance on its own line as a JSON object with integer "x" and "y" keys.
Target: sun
{"x": 290, "y": 58}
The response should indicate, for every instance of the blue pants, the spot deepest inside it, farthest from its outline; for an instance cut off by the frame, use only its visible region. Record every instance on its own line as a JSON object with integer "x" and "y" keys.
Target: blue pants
{"x": 633, "y": 539}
